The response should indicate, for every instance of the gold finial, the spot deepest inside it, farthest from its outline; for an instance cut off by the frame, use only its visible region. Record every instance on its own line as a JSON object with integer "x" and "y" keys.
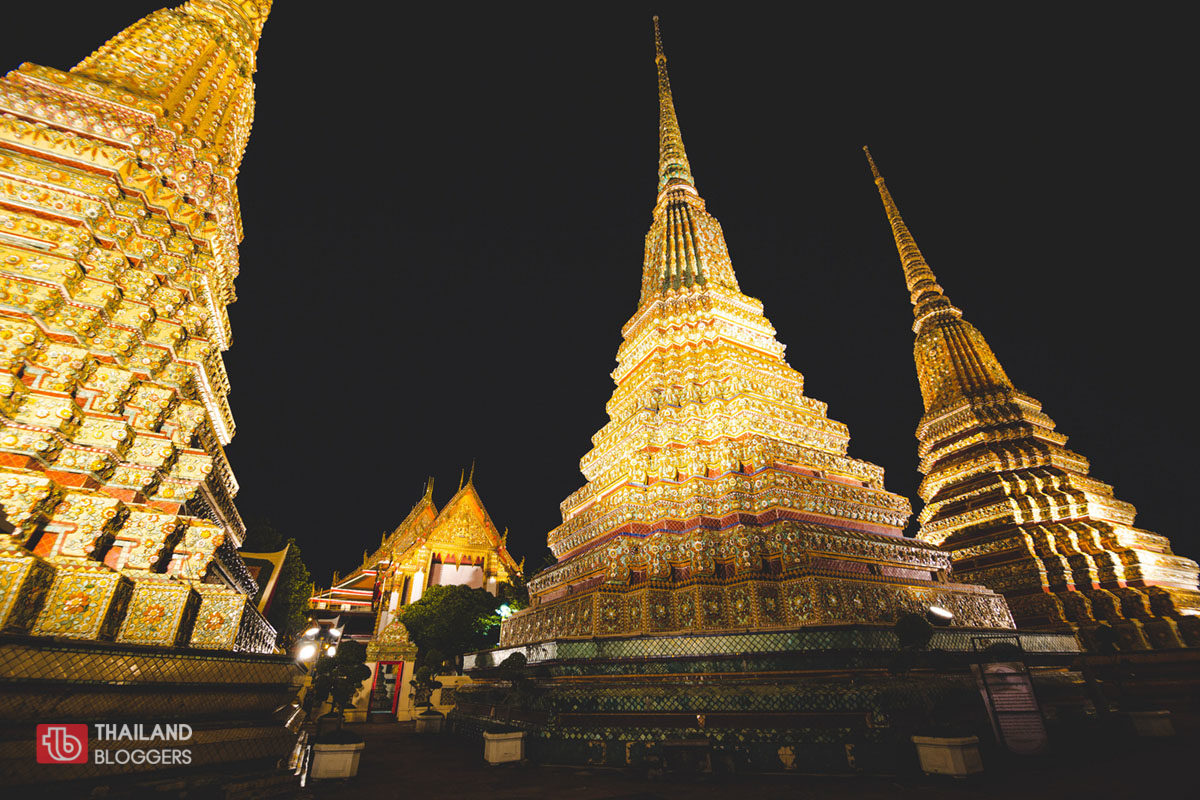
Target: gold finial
{"x": 673, "y": 167}
{"x": 871, "y": 161}
{"x": 927, "y": 297}
{"x": 471, "y": 474}
{"x": 461, "y": 474}
{"x": 429, "y": 486}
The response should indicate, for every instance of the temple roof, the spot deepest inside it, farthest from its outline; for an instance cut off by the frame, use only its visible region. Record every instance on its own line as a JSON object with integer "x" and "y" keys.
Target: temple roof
{"x": 463, "y": 524}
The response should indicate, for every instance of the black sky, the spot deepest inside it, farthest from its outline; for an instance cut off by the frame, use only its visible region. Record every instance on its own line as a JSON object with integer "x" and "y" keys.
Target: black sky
{"x": 444, "y": 212}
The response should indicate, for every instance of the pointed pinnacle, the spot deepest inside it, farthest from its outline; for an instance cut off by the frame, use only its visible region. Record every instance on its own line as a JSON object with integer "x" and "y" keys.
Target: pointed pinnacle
{"x": 673, "y": 167}
{"x": 871, "y": 161}
{"x": 928, "y": 299}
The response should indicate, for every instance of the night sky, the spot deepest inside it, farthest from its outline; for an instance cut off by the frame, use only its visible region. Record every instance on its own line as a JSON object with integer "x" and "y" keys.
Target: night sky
{"x": 445, "y": 211}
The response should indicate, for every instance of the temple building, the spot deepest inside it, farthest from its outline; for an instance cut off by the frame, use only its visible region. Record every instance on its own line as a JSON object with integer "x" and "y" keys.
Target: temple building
{"x": 719, "y": 497}
{"x": 456, "y": 546}
{"x": 119, "y": 234}
{"x": 1014, "y": 508}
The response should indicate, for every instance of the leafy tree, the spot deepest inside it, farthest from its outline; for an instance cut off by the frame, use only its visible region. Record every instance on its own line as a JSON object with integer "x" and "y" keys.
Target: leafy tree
{"x": 514, "y": 593}
{"x": 450, "y": 620}
{"x": 289, "y": 607}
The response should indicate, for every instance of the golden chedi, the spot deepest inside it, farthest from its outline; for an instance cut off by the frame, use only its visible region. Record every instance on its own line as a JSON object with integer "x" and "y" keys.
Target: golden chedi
{"x": 1015, "y": 509}
{"x": 719, "y": 497}
{"x": 119, "y": 232}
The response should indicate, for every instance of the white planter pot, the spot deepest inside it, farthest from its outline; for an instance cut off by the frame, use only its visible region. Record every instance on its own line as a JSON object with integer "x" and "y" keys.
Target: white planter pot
{"x": 336, "y": 760}
{"x": 957, "y": 756}
{"x": 1152, "y": 723}
{"x": 501, "y": 748}
{"x": 429, "y": 723}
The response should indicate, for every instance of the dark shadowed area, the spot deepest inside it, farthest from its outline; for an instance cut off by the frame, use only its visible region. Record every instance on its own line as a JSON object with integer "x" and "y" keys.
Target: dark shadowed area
{"x": 444, "y": 211}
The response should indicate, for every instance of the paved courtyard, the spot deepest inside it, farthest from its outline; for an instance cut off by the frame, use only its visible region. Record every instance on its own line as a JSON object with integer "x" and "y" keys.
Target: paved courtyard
{"x": 397, "y": 763}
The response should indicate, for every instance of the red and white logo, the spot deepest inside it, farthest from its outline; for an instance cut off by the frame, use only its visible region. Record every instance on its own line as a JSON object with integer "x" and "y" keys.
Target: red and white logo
{"x": 62, "y": 744}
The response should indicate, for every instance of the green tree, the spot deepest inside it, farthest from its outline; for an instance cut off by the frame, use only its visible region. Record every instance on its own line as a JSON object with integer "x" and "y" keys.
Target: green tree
{"x": 288, "y": 612}
{"x": 514, "y": 593}
{"x": 450, "y": 620}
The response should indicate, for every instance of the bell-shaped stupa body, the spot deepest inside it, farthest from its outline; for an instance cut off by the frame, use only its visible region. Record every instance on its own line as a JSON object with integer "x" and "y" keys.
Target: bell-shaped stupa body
{"x": 119, "y": 232}
{"x": 1015, "y": 509}
{"x": 718, "y": 495}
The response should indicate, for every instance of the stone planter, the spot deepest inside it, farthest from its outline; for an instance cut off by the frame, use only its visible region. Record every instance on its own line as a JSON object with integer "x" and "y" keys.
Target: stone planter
{"x": 429, "y": 721}
{"x": 1152, "y": 723}
{"x": 336, "y": 760}
{"x": 949, "y": 755}
{"x": 502, "y": 748}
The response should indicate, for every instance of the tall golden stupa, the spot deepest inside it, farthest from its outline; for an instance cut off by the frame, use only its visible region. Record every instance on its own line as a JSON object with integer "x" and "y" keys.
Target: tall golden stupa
{"x": 1015, "y": 509}
{"x": 719, "y": 497}
{"x": 119, "y": 232}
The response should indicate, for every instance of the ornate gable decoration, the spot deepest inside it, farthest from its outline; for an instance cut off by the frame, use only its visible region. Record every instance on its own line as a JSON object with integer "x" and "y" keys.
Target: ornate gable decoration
{"x": 392, "y": 644}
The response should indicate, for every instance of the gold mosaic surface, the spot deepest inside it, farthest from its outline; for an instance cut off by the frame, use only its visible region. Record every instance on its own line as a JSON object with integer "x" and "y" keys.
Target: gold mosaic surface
{"x": 718, "y": 495}
{"x": 1015, "y": 509}
{"x": 119, "y": 232}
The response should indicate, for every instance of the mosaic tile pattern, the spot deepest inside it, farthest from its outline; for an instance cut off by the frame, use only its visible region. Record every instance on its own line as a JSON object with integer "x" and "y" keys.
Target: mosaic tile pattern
{"x": 24, "y": 581}
{"x": 86, "y": 601}
{"x": 161, "y": 612}
{"x": 834, "y": 640}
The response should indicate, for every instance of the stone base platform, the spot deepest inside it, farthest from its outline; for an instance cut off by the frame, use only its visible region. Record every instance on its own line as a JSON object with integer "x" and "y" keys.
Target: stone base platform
{"x": 811, "y": 700}
{"x": 230, "y": 701}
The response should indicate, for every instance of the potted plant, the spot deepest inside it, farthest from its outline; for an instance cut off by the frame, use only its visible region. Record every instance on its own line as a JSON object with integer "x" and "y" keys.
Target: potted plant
{"x": 337, "y": 678}
{"x": 336, "y": 754}
{"x": 503, "y": 744}
{"x": 424, "y": 684}
{"x": 945, "y": 741}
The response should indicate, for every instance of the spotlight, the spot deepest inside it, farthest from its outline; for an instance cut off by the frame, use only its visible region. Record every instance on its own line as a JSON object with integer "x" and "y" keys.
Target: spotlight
{"x": 939, "y": 616}
{"x": 313, "y": 631}
{"x": 331, "y": 651}
{"x": 505, "y": 611}
{"x": 335, "y": 632}
{"x": 307, "y": 652}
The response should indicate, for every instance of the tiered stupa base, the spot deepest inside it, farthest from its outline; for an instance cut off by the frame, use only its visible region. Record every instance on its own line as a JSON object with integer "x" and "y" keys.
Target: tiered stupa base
{"x": 820, "y": 699}
{"x": 781, "y": 574}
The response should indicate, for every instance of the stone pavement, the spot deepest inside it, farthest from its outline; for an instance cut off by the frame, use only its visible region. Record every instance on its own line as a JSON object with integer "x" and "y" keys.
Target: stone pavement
{"x": 398, "y": 763}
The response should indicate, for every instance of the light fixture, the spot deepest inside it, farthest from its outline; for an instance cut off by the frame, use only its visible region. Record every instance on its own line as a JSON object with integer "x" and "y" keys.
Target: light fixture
{"x": 505, "y": 611}
{"x": 313, "y": 631}
{"x": 939, "y": 616}
{"x": 307, "y": 652}
{"x": 331, "y": 651}
{"x": 335, "y": 632}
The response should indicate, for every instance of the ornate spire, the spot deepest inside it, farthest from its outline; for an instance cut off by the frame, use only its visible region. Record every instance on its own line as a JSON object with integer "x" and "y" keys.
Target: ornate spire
{"x": 685, "y": 247}
{"x": 954, "y": 361}
{"x": 927, "y": 297}
{"x": 673, "y": 167}
{"x": 1015, "y": 509}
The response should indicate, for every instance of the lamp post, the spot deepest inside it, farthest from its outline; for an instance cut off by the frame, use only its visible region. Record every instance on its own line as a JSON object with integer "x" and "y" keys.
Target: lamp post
{"x": 318, "y": 638}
